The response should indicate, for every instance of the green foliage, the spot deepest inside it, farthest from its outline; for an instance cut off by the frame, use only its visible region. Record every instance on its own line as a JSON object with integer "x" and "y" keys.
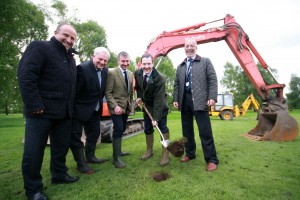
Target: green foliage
{"x": 56, "y": 11}
{"x": 113, "y": 60}
{"x": 166, "y": 67}
{"x": 61, "y": 8}
{"x": 22, "y": 22}
{"x": 89, "y": 36}
{"x": 239, "y": 85}
{"x": 294, "y": 96}
{"x": 25, "y": 22}
{"x": 247, "y": 168}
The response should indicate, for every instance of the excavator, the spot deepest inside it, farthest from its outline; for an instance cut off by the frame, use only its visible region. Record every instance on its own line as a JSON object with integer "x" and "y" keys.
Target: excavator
{"x": 274, "y": 121}
{"x": 134, "y": 126}
{"x": 250, "y": 100}
{"x": 225, "y": 109}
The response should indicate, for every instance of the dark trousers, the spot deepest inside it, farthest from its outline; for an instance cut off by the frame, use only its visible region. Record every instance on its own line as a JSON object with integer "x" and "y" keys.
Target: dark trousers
{"x": 205, "y": 131}
{"x": 36, "y": 135}
{"x": 91, "y": 129}
{"x": 120, "y": 122}
{"x": 162, "y": 124}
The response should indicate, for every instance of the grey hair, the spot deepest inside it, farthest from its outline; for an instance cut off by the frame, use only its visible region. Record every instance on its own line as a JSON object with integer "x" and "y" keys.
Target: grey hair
{"x": 123, "y": 53}
{"x": 102, "y": 50}
{"x": 192, "y": 39}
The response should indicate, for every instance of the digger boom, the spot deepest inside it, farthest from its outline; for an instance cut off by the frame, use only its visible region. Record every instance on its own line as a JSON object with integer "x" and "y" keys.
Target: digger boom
{"x": 274, "y": 121}
{"x": 245, "y": 106}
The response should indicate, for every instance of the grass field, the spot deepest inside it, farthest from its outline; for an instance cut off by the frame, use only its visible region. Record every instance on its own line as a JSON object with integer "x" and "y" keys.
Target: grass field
{"x": 247, "y": 170}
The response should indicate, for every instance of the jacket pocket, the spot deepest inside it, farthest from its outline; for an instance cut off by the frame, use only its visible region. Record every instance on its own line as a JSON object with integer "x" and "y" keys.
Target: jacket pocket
{"x": 51, "y": 95}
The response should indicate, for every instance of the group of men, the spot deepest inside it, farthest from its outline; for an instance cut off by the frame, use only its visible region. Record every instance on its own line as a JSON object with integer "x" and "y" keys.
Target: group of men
{"x": 62, "y": 99}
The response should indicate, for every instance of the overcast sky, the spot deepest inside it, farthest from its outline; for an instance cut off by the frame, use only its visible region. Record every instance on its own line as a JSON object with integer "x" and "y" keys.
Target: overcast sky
{"x": 273, "y": 27}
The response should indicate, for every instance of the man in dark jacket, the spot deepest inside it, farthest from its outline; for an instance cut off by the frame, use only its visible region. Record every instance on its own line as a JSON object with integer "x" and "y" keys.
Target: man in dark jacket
{"x": 47, "y": 77}
{"x": 150, "y": 87}
{"x": 195, "y": 89}
{"x": 90, "y": 90}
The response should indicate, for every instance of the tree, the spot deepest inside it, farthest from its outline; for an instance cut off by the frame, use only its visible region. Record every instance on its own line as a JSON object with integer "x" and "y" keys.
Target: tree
{"x": 294, "y": 96}
{"x": 61, "y": 9}
{"x": 113, "y": 60}
{"x": 167, "y": 68}
{"x": 89, "y": 36}
{"x": 22, "y": 22}
{"x": 238, "y": 84}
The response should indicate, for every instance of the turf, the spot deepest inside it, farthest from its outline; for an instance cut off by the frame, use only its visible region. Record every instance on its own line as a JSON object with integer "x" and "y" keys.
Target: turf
{"x": 247, "y": 170}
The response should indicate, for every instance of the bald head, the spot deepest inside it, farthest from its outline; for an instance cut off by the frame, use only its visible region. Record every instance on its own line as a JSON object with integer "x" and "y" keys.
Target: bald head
{"x": 190, "y": 47}
{"x": 66, "y": 34}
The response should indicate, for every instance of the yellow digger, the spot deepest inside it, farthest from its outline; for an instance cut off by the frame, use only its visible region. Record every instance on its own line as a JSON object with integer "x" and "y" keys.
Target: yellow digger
{"x": 226, "y": 110}
{"x": 245, "y": 106}
{"x": 223, "y": 108}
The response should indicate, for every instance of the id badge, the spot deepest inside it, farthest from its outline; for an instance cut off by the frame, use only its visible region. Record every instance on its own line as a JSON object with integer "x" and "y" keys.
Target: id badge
{"x": 187, "y": 84}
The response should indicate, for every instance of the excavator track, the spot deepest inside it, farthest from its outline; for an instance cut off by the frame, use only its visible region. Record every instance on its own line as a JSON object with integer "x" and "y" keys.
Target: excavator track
{"x": 134, "y": 127}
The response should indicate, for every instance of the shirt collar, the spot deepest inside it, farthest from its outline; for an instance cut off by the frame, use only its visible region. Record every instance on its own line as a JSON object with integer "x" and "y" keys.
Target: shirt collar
{"x": 193, "y": 58}
{"x": 122, "y": 70}
{"x": 147, "y": 74}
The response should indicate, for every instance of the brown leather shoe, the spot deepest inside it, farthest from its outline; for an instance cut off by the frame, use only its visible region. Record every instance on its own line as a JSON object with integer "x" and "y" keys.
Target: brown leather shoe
{"x": 186, "y": 159}
{"x": 211, "y": 167}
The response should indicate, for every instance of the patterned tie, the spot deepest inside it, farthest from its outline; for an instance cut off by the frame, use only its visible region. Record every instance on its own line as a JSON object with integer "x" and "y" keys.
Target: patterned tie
{"x": 126, "y": 79}
{"x": 145, "y": 82}
{"x": 188, "y": 74}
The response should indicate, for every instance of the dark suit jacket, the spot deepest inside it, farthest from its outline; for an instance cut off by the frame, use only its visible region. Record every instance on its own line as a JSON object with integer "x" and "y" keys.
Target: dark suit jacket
{"x": 154, "y": 95}
{"x": 47, "y": 77}
{"x": 88, "y": 90}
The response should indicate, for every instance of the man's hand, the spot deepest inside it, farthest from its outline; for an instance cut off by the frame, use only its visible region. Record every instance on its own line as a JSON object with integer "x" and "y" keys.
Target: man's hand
{"x": 175, "y": 104}
{"x": 137, "y": 102}
{"x": 118, "y": 110}
{"x": 211, "y": 102}
{"x": 154, "y": 123}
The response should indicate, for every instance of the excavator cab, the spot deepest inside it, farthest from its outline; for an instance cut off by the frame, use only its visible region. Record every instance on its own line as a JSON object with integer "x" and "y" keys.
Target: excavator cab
{"x": 223, "y": 107}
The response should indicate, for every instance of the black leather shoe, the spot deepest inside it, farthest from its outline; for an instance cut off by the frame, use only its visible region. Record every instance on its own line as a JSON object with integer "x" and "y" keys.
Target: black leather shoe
{"x": 65, "y": 179}
{"x": 39, "y": 196}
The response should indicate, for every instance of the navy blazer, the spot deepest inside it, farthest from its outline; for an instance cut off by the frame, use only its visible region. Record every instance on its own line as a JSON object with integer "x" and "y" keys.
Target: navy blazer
{"x": 47, "y": 79}
{"x": 88, "y": 90}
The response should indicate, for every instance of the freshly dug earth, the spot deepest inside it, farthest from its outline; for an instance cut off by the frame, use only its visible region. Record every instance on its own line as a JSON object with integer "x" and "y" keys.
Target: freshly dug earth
{"x": 176, "y": 148}
{"x": 160, "y": 176}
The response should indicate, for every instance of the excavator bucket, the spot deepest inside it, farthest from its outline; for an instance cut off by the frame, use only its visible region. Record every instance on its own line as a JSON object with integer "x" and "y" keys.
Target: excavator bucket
{"x": 277, "y": 126}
